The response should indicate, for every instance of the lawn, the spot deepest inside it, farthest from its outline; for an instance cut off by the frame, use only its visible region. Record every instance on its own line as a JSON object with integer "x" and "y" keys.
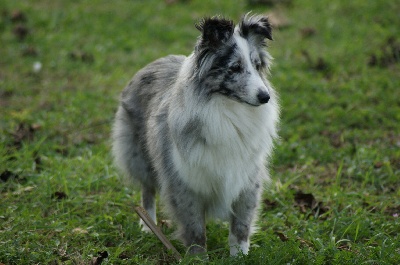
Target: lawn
{"x": 335, "y": 195}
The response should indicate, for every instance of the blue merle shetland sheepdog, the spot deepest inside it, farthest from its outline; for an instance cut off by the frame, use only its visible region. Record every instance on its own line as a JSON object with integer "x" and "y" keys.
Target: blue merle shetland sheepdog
{"x": 199, "y": 130}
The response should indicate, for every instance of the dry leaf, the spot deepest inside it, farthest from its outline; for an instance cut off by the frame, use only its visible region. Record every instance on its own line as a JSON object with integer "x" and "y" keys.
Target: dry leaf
{"x": 79, "y": 230}
{"x": 26, "y": 189}
{"x": 282, "y": 236}
{"x": 99, "y": 259}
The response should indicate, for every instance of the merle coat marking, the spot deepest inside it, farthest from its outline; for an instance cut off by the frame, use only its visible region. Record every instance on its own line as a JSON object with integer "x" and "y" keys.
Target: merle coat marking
{"x": 200, "y": 128}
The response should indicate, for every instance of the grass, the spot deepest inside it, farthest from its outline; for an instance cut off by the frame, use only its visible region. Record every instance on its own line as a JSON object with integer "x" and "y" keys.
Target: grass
{"x": 336, "y": 171}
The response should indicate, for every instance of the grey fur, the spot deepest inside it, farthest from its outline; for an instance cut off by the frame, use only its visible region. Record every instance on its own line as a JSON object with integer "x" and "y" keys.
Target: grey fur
{"x": 164, "y": 117}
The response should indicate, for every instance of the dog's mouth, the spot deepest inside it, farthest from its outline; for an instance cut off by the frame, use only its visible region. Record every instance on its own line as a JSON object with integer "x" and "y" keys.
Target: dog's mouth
{"x": 254, "y": 105}
{"x": 241, "y": 100}
{"x": 257, "y": 103}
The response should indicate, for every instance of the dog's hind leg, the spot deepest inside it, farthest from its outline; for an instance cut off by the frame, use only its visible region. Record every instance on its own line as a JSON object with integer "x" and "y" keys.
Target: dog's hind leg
{"x": 131, "y": 159}
{"x": 149, "y": 204}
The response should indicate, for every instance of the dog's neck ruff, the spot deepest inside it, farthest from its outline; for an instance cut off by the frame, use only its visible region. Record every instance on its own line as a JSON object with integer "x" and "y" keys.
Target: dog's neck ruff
{"x": 231, "y": 145}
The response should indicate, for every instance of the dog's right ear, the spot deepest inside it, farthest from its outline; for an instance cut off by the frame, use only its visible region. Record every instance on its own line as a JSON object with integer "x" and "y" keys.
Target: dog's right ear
{"x": 215, "y": 31}
{"x": 255, "y": 26}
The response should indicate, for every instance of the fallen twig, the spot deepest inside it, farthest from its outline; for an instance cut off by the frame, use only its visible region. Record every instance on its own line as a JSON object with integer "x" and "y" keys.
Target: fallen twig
{"x": 157, "y": 231}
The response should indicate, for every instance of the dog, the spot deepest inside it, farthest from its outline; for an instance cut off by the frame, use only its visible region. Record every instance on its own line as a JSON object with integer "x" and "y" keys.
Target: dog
{"x": 199, "y": 129}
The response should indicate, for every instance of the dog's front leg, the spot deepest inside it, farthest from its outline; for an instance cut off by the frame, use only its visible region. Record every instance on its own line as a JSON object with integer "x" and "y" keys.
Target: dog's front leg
{"x": 241, "y": 221}
{"x": 194, "y": 235}
{"x": 189, "y": 214}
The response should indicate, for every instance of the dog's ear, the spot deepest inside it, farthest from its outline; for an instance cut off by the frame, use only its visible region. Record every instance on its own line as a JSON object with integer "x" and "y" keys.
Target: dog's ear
{"x": 255, "y": 26}
{"x": 215, "y": 31}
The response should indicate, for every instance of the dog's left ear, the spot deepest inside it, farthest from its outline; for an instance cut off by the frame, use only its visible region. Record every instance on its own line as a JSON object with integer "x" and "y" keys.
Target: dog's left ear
{"x": 255, "y": 26}
{"x": 215, "y": 31}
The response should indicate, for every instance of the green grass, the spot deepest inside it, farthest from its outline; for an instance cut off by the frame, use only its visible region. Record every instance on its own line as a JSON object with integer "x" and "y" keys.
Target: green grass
{"x": 336, "y": 67}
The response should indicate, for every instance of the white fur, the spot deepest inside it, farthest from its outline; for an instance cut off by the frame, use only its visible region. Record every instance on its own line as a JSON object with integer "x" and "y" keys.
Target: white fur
{"x": 236, "y": 246}
{"x": 152, "y": 215}
{"x": 238, "y": 138}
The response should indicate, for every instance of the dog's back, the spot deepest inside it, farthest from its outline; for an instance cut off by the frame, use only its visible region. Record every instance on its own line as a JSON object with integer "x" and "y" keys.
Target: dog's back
{"x": 140, "y": 97}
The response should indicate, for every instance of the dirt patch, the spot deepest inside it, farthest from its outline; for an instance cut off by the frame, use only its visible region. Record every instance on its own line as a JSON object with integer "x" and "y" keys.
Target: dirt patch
{"x": 306, "y": 202}
{"x": 59, "y": 195}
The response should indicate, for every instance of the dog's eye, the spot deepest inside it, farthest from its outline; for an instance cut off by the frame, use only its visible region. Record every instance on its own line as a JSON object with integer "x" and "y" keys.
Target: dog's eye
{"x": 236, "y": 68}
{"x": 258, "y": 66}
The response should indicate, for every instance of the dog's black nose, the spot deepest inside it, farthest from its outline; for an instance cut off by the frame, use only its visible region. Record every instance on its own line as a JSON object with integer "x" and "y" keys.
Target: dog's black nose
{"x": 263, "y": 97}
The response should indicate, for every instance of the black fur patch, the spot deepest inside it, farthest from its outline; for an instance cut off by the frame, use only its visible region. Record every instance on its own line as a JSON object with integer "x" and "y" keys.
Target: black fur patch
{"x": 221, "y": 62}
{"x": 256, "y": 25}
{"x": 224, "y": 86}
{"x": 147, "y": 78}
{"x": 215, "y": 31}
{"x": 224, "y": 90}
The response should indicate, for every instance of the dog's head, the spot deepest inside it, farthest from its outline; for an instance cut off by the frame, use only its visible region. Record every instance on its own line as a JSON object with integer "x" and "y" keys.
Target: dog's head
{"x": 232, "y": 60}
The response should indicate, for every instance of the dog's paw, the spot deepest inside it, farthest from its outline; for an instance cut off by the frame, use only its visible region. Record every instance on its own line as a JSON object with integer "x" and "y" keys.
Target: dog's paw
{"x": 144, "y": 227}
{"x": 243, "y": 247}
{"x": 199, "y": 252}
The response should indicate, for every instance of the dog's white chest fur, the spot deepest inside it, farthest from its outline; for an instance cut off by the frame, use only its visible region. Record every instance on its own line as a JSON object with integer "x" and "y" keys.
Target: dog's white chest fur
{"x": 237, "y": 138}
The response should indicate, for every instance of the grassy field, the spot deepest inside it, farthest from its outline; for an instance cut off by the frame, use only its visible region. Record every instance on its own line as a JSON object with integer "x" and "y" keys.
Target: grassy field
{"x": 335, "y": 197}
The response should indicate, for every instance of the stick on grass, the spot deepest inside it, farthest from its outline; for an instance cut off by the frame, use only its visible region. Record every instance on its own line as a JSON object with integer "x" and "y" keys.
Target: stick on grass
{"x": 157, "y": 231}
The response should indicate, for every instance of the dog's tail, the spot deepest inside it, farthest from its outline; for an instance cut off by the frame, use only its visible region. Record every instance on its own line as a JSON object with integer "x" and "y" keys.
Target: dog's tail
{"x": 126, "y": 149}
